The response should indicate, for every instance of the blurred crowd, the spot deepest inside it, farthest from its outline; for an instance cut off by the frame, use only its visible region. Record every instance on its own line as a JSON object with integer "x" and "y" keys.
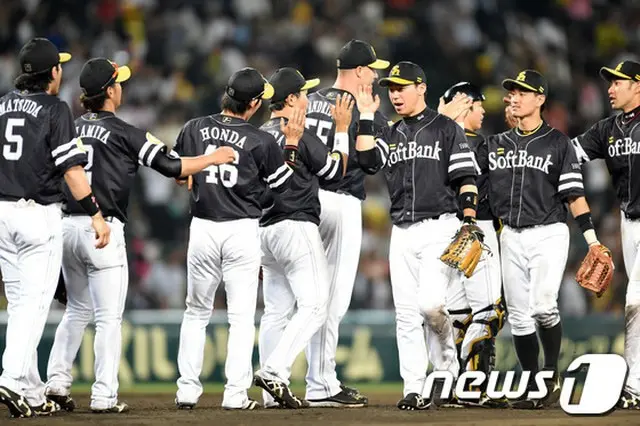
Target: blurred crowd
{"x": 183, "y": 51}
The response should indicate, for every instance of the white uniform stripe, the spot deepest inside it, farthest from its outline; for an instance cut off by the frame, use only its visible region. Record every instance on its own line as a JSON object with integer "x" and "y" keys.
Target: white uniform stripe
{"x": 334, "y": 170}
{"x": 570, "y": 185}
{"x": 275, "y": 175}
{"x": 461, "y": 165}
{"x": 567, "y": 176}
{"x": 64, "y": 147}
{"x": 461, "y": 156}
{"x": 283, "y": 179}
{"x": 382, "y": 145}
{"x": 152, "y": 154}
{"x": 73, "y": 152}
{"x": 383, "y": 154}
{"x": 326, "y": 167}
{"x": 147, "y": 145}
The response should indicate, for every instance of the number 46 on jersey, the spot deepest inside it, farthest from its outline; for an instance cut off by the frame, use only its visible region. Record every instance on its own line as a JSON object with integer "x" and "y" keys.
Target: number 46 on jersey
{"x": 225, "y": 173}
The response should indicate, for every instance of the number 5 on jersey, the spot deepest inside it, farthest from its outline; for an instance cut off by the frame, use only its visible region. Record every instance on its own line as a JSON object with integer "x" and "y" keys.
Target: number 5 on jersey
{"x": 13, "y": 150}
{"x": 225, "y": 173}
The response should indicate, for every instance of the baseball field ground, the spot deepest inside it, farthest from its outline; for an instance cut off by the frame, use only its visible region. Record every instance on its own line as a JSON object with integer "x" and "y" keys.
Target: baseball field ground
{"x": 153, "y": 405}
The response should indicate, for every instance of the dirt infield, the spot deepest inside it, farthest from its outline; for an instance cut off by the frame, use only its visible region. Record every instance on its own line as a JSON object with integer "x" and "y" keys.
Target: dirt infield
{"x": 158, "y": 409}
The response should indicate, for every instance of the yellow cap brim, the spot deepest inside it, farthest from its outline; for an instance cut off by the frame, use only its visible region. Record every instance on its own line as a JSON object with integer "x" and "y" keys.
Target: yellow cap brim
{"x": 310, "y": 84}
{"x": 384, "y": 82}
{"x": 609, "y": 74}
{"x": 124, "y": 73}
{"x": 64, "y": 57}
{"x": 380, "y": 64}
{"x": 268, "y": 91}
{"x": 509, "y": 84}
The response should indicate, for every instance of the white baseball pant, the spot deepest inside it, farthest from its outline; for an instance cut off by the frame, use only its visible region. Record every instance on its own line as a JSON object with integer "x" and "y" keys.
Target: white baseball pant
{"x": 479, "y": 292}
{"x": 630, "y": 233}
{"x": 30, "y": 258}
{"x": 294, "y": 274}
{"x": 533, "y": 264}
{"x": 230, "y": 252}
{"x": 97, "y": 283}
{"x": 341, "y": 233}
{"x": 420, "y": 282}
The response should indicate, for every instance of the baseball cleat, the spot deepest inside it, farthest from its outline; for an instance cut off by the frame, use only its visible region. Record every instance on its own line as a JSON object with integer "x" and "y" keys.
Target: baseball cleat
{"x": 16, "y": 403}
{"x": 553, "y": 395}
{"x": 342, "y": 399}
{"x": 120, "y": 407}
{"x": 185, "y": 405}
{"x": 526, "y": 404}
{"x": 47, "y": 408}
{"x": 628, "y": 401}
{"x": 412, "y": 402}
{"x": 64, "y": 401}
{"x": 280, "y": 392}
{"x": 249, "y": 405}
{"x": 355, "y": 393}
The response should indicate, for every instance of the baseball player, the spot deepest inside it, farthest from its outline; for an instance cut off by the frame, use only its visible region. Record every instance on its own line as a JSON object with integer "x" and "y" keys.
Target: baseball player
{"x": 430, "y": 173}
{"x": 224, "y": 242}
{"x": 97, "y": 280}
{"x": 614, "y": 140}
{"x": 341, "y": 216}
{"x": 475, "y": 304}
{"x": 294, "y": 265}
{"x": 39, "y": 148}
{"x": 533, "y": 171}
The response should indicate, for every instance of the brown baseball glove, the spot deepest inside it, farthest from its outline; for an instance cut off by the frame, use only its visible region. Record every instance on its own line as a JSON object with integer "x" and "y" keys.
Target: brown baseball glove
{"x": 464, "y": 251}
{"x": 596, "y": 271}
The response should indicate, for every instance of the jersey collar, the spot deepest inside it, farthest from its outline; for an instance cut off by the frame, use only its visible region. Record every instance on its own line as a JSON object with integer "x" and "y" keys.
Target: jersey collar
{"x": 628, "y": 117}
{"x": 97, "y": 115}
{"x": 414, "y": 119}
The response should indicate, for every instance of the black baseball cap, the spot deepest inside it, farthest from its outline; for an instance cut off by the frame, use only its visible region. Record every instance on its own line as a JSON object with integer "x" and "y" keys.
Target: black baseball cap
{"x": 529, "y": 80}
{"x": 248, "y": 84}
{"x": 626, "y": 70}
{"x": 40, "y": 55}
{"x": 469, "y": 89}
{"x": 99, "y": 73}
{"x": 286, "y": 81}
{"x": 404, "y": 73}
{"x": 358, "y": 53}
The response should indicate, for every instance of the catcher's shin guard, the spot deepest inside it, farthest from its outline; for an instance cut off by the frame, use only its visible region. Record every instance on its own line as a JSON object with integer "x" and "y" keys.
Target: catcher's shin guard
{"x": 481, "y": 354}
{"x": 461, "y": 319}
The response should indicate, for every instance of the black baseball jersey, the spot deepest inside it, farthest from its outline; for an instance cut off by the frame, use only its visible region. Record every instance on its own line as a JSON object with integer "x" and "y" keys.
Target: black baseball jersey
{"x": 232, "y": 191}
{"x": 38, "y": 143}
{"x": 115, "y": 149}
{"x": 617, "y": 141}
{"x": 531, "y": 176}
{"x": 301, "y": 202}
{"x": 482, "y": 181}
{"x": 320, "y": 121}
{"x": 428, "y": 153}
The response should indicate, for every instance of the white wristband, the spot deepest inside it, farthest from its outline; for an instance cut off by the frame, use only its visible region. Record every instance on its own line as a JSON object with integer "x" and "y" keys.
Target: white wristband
{"x": 367, "y": 116}
{"x": 590, "y": 236}
{"x": 341, "y": 142}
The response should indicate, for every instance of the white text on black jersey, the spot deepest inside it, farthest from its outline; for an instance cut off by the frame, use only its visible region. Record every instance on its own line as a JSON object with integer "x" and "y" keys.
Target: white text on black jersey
{"x": 521, "y": 159}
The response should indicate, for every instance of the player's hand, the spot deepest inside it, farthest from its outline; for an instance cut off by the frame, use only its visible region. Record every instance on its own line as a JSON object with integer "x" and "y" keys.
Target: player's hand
{"x": 294, "y": 128}
{"x": 508, "y": 114}
{"x": 103, "y": 232}
{"x": 457, "y": 109}
{"x": 223, "y": 155}
{"x": 342, "y": 112}
{"x": 365, "y": 100}
{"x": 188, "y": 181}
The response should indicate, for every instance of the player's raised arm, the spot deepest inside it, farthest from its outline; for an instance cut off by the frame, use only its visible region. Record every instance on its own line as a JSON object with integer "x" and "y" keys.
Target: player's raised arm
{"x": 342, "y": 114}
{"x": 372, "y": 150}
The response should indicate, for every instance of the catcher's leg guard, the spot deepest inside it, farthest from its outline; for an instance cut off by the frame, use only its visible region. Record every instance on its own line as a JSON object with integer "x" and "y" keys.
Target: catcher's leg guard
{"x": 461, "y": 320}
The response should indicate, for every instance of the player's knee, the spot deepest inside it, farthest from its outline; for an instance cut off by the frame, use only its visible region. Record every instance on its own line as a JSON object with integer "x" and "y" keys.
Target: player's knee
{"x": 437, "y": 320}
{"x": 521, "y": 323}
{"x": 78, "y": 316}
{"x": 548, "y": 318}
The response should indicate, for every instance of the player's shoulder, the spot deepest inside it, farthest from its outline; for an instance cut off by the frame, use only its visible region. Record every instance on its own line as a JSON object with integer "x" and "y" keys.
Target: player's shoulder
{"x": 557, "y": 135}
{"x": 474, "y": 137}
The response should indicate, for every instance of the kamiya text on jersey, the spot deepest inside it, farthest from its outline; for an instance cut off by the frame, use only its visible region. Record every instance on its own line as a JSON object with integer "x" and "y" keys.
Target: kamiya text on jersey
{"x": 227, "y": 135}
{"x": 624, "y": 146}
{"x": 519, "y": 159}
{"x": 93, "y": 131}
{"x": 413, "y": 150}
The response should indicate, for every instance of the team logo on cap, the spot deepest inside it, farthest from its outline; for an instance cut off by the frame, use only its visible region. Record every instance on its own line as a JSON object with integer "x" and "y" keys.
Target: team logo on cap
{"x": 522, "y": 76}
{"x": 619, "y": 67}
{"x": 395, "y": 70}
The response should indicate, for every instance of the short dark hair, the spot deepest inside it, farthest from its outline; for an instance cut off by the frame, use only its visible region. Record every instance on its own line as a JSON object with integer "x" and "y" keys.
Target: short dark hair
{"x": 279, "y": 106}
{"x": 236, "y": 107}
{"x": 37, "y": 82}
{"x": 93, "y": 103}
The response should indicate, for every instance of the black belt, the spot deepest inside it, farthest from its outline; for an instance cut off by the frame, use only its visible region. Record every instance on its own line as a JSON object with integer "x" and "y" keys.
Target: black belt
{"x": 109, "y": 219}
{"x": 630, "y": 217}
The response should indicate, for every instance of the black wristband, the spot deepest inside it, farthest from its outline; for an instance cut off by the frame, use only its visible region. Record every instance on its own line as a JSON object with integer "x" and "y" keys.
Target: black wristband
{"x": 366, "y": 128}
{"x": 290, "y": 154}
{"x": 469, "y": 200}
{"x": 584, "y": 222}
{"x": 469, "y": 220}
{"x": 89, "y": 204}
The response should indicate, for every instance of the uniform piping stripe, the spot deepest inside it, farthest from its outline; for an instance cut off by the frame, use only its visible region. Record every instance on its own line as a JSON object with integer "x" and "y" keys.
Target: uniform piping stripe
{"x": 152, "y": 154}
{"x": 334, "y": 170}
{"x": 73, "y": 152}
{"x": 283, "y": 179}
{"x": 565, "y": 186}
{"x": 461, "y": 165}
{"x": 461, "y": 156}
{"x": 143, "y": 151}
{"x": 64, "y": 147}
{"x": 567, "y": 176}
{"x": 276, "y": 175}
{"x": 326, "y": 167}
